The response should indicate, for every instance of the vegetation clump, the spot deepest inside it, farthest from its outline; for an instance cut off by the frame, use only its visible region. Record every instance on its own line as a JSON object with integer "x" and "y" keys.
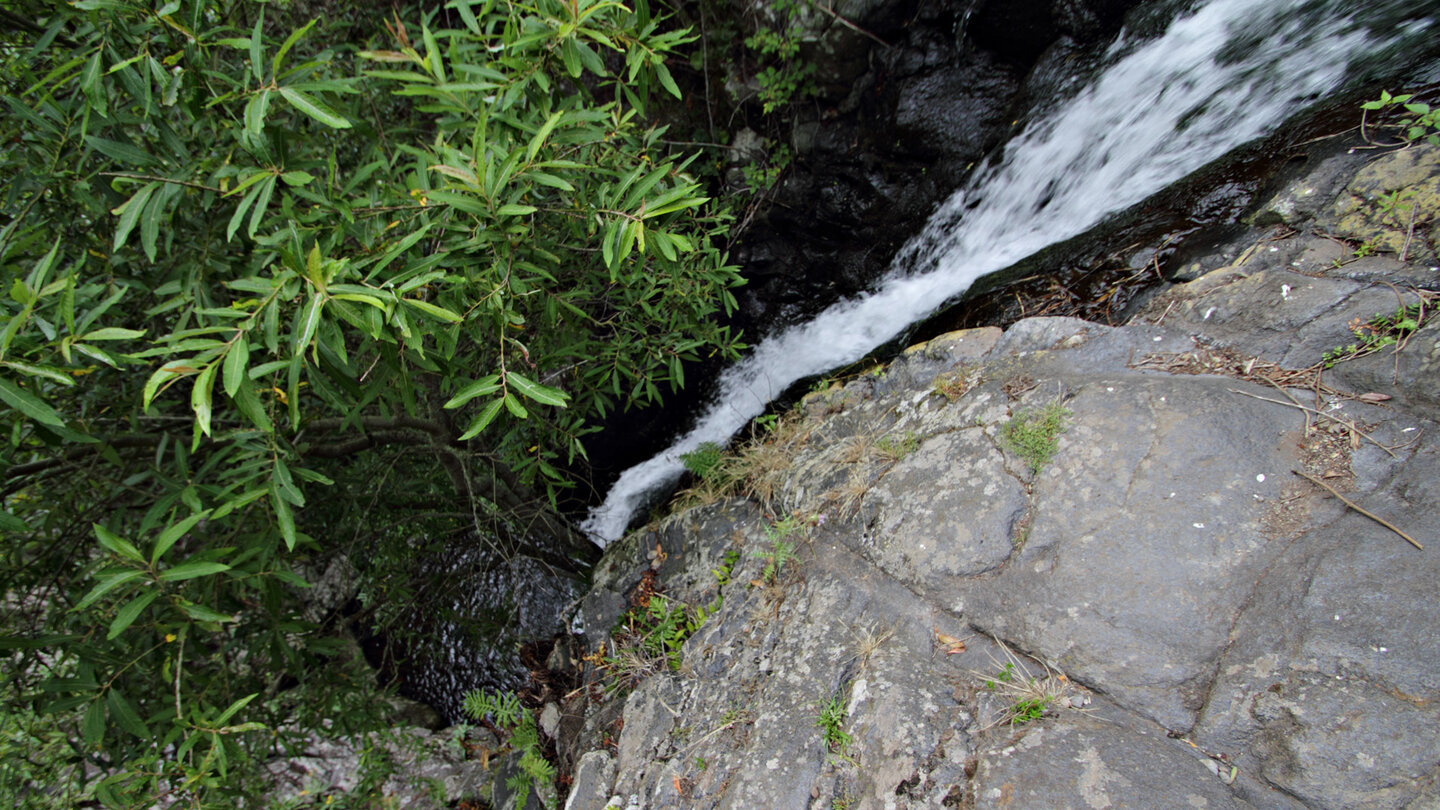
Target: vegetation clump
{"x": 281, "y": 288}
{"x": 1034, "y": 435}
{"x": 508, "y": 714}
{"x": 1380, "y": 331}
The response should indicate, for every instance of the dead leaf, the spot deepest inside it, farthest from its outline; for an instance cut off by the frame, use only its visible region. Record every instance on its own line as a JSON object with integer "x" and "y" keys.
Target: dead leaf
{"x": 1374, "y": 397}
{"x": 951, "y": 644}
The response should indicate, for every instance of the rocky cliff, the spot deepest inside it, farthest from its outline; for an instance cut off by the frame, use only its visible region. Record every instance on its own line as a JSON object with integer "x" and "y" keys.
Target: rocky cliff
{"x": 1068, "y": 565}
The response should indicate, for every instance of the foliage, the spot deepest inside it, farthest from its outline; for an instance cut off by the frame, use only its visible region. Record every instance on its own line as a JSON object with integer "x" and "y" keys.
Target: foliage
{"x": 1034, "y": 435}
{"x": 831, "y": 721}
{"x": 704, "y": 461}
{"x": 1415, "y": 120}
{"x": 1380, "y": 331}
{"x": 247, "y": 260}
{"x": 784, "y": 78}
{"x": 651, "y": 637}
{"x": 760, "y": 178}
{"x": 506, "y": 711}
{"x": 897, "y": 446}
{"x": 780, "y": 554}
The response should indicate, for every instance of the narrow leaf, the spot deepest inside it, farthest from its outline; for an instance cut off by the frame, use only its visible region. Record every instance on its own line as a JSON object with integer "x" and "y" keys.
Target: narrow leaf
{"x": 130, "y": 613}
{"x": 483, "y": 420}
{"x": 314, "y": 108}
{"x": 116, "y": 544}
{"x": 168, "y": 537}
{"x": 543, "y": 394}
{"x": 191, "y": 570}
{"x": 12, "y": 395}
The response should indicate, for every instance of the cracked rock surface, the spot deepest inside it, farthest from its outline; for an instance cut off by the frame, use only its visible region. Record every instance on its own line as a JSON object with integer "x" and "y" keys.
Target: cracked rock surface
{"x": 1165, "y": 613}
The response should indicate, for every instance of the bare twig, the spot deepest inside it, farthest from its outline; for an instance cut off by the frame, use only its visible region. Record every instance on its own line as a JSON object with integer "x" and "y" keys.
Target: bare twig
{"x": 1382, "y": 521}
{"x": 1332, "y": 417}
{"x": 852, "y": 26}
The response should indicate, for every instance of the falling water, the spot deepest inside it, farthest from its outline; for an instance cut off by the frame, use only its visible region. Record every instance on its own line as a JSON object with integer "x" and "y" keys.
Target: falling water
{"x": 1222, "y": 75}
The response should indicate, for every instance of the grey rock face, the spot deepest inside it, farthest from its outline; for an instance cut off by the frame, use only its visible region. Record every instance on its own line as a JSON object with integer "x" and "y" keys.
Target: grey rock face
{"x": 1163, "y": 613}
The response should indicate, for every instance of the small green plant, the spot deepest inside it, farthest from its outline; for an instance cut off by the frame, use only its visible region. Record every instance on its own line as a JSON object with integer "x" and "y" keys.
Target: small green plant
{"x": 701, "y": 764}
{"x": 1378, "y": 332}
{"x": 1026, "y": 697}
{"x": 894, "y": 448}
{"x": 726, "y": 569}
{"x": 506, "y": 711}
{"x": 1035, "y": 435}
{"x": 704, "y": 461}
{"x": 831, "y": 719}
{"x": 785, "y": 77}
{"x": 761, "y": 178}
{"x": 766, "y": 422}
{"x": 1028, "y": 709}
{"x": 1417, "y": 121}
{"x": 1005, "y": 675}
{"x": 780, "y": 554}
{"x": 1396, "y": 205}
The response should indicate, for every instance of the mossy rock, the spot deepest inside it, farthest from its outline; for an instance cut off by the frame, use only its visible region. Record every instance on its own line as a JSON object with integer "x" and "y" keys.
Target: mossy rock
{"x": 1360, "y": 214}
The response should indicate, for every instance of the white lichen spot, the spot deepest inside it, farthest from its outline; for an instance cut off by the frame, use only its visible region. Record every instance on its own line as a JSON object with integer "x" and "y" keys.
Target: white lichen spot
{"x": 1094, "y": 779}
{"x": 773, "y": 764}
{"x": 1198, "y": 802}
{"x": 1366, "y": 761}
{"x": 1285, "y": 291}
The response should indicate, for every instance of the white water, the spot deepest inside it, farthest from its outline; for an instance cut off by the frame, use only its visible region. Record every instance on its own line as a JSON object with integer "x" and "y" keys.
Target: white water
{"x": 1160, "y": 112}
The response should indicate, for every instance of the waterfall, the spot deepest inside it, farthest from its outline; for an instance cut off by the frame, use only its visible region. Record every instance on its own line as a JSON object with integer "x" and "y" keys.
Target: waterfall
{"x": 1224, "y": 74}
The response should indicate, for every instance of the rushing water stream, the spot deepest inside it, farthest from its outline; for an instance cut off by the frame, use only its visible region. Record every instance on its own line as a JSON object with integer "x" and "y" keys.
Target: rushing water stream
{"x": 1223, "y": 74}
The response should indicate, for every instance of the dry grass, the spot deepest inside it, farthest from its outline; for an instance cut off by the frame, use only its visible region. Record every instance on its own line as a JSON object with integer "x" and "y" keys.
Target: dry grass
{"x": 1024, "y": 696}
{"x": 845, "y": 499}
{"x": 868, "y": 641}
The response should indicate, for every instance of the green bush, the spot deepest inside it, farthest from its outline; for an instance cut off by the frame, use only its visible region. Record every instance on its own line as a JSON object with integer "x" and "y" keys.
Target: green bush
{"x": 274, "y": 291}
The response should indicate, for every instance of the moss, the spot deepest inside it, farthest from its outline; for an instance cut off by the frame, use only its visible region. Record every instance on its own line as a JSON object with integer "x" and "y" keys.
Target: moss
{"x": 1034, "y": 435}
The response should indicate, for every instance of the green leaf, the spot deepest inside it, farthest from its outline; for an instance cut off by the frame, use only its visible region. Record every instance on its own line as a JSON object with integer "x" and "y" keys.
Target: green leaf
{"x": 514, "y": 407}
{"x": 191, "y": 570}
{"x": 540, "y": 136}
{"x": 297, "y": 178}
{"x": 543, "y": 394}
{"x": 483, "y": 420}
{"x": 172, "y": 533}
{"x": 666, "y": 81}
{"x": 130, "y": 613}
{"x": 482, "y": 387}
{"x": 10, "y": 523}
{"x": 309, "y": 322}
{"x": 92, "y": 728}
{"x": 314, "y": 108}
{"x": 50, "y": 373}
{"x": 112, "y": 333}
{"x": 125, "y": 715}
{"x": 237, "y": 363}
{"x": 121, "y": 151}
{"x": 108, "y": 583}
{"x": 116, "y": 544}
{"x": 434, "y": 312}
{"x": 255, "y": 110}
{"x": 257, "y": 55}
{"x": 262, "y": 201}
{"x": 129, "y": 213}
{"x": 200, "y": 397}
{"x": 283, "y": 516}
{"x": 515, "y": 210}
{"x": 28, "y": 405}
{"x": 289, "y": 43}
